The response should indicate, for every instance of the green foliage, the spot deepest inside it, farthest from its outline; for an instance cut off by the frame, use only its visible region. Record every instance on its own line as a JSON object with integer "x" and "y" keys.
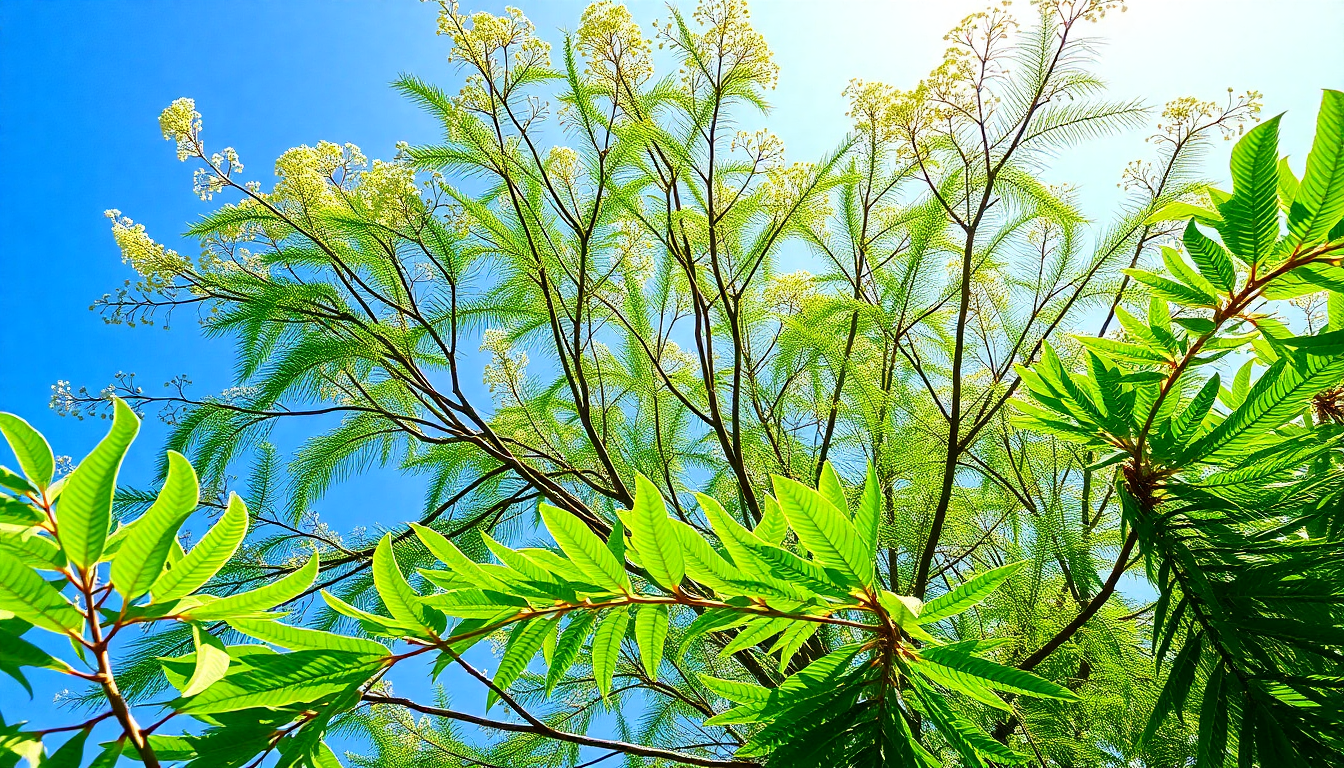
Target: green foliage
{"x": 1235, "y": 510}
{"x": 731, "y": 512}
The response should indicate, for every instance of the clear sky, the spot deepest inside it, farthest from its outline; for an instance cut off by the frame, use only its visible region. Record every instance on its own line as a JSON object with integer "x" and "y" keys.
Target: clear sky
{"x": 82, "y": 83}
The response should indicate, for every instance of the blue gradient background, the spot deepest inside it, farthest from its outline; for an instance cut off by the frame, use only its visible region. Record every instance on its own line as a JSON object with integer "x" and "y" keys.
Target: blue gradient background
{"x": 82, "y": 82}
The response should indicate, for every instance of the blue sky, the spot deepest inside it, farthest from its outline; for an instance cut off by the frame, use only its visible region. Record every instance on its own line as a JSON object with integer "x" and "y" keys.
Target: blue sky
{"x": 82, "y": 82}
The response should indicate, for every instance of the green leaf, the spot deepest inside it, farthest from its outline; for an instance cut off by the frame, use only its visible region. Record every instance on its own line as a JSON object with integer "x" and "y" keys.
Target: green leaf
{"x": 823, "y": 529}
{"x": 869, "y": 515}
{"x": 1179, "y": 211}
{"x": 84, "y": 514}
{"x": 773, "y": 527}
{"x": 371, "y": 622}
{"x": 206, "y": 558}
{"x": 212, "y": 661}
{"x": 1250, "y": 225}
{"x": 32, "y": 547}
{"x": 567, "y": 648}
{"x": 524, "y": 641}
{"x": 15, "y": 512}
{"x": 904, "y": 610}
{"x": 278, "y": 680}
{"x": 1319, "y": 202}
{"x": 991, "y": 675}
{"x": 828, "y": 485}
{"x": 71, "y": 753}
{"x": 27, "y": 595}
{"x": 585, "y": 549}
{"x": 607, "y": 646}
{"x": 301, "y": 639}
{"x": 1180, "y": 270}
{"x": 1213, "y": 721}
{"x": 141, "y": 557}
{"x": 1121, "y": 351}
{"x": 404, "y": 603}
{"x": 1212, "y": 259}
{"x": 653, "y": 538}
{"x": 262, "y": 598}
{"x": 969, "y": 594}
{"x": 1172, "y": 290}
{"x": 964, "y": 735}
{"x": 1278, "y": 396}
{"x": 450, "y": 555}
{"x": 650, "y": 634}
{"x": 30, "y": 448}
{"x": 755, "y": 632}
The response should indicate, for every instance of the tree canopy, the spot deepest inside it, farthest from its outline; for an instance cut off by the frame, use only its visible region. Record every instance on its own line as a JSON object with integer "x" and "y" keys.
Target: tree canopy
{"x": 768, "y": 463}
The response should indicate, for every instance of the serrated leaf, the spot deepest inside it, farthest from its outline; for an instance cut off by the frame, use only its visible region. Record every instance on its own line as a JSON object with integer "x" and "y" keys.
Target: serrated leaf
{"x": 451, "y": 556}
{"x": 868, "y": 517}
{"x": 585, "y": 549}
{"x": 652, "y": 536}
{"x": 991, "y": 675}
{"x": 27, "y": 595}
{"x": 1172, "y": 290}
{"x": 567, "y": 648}
{"x": 969, "y": 594}
{"x": 212, "y": 661}
{"x": 30, "y": 448}
{"x": 84, "y": 513}
{"x": 263, "y": 598}
{"x": 1212, "y": 259}
{"x": 301, "y": 639}
{"x": 403, "y": 602}
{"x": 823, "y": 530}
{"x": 279, "y": 680}
{"x": 1318, "y": 203}
{"x": 524, "y": 641}
{"x": 206, "y": 558}
{"x": 650, "y": 633}
{"x": 141, "y": 557}
{"x": 1250, "y": 226}
{"x": 607, "y": 647}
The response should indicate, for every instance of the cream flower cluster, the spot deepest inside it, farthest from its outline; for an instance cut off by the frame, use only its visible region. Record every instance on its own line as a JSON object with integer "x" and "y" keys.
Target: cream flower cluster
{"x": 156, "y": 264}
{"x": 764, "y": 147}
{"x": 181, "y": 122}
{"x": 787, "y": 293}
{"x": 478, "y": 37}
{"x": 506, "y": 366}
{"x": 609, "y": 38}
{"x": 310, "y": 175}
{"x": 389, "y": 192}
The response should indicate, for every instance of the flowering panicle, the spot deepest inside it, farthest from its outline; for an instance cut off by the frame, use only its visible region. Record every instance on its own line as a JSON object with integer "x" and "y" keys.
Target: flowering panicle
{"x": 157, "y": 265}
{"x": 765, "y": 148}
{"x": 311, "y": 176}
{"x": 507, "y": 366}
{"x": 181, "y": 122}
{"x": 727, "y": 44}
{"x": 481, "y": 39}
{"x": 618, "y": 55}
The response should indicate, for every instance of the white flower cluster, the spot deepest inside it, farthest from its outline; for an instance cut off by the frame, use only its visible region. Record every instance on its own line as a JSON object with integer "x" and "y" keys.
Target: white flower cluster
{"x": 156, "y": 264}
{"x": 181, "y": 122}
{"x": 506, "y": 365}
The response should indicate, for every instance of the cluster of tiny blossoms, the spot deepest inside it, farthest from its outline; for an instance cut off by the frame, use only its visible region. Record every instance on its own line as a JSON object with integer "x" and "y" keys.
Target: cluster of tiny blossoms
{"x": 156, "y": 264}
{"x": 506, "y": 366}
{"x": 310, "y": 175}
{"x": 1087, "y": 10}
{"x": 610, "y": 40}
{"x": 181, "y": 122}
{"x": 563, "y": 164}
{"x": 764, "y": 147}
{"x": 478, "y": 37}
{"x": 389, "y": 192}
{"x": 727, "y": 44}
{"x": 786, "y": 293}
